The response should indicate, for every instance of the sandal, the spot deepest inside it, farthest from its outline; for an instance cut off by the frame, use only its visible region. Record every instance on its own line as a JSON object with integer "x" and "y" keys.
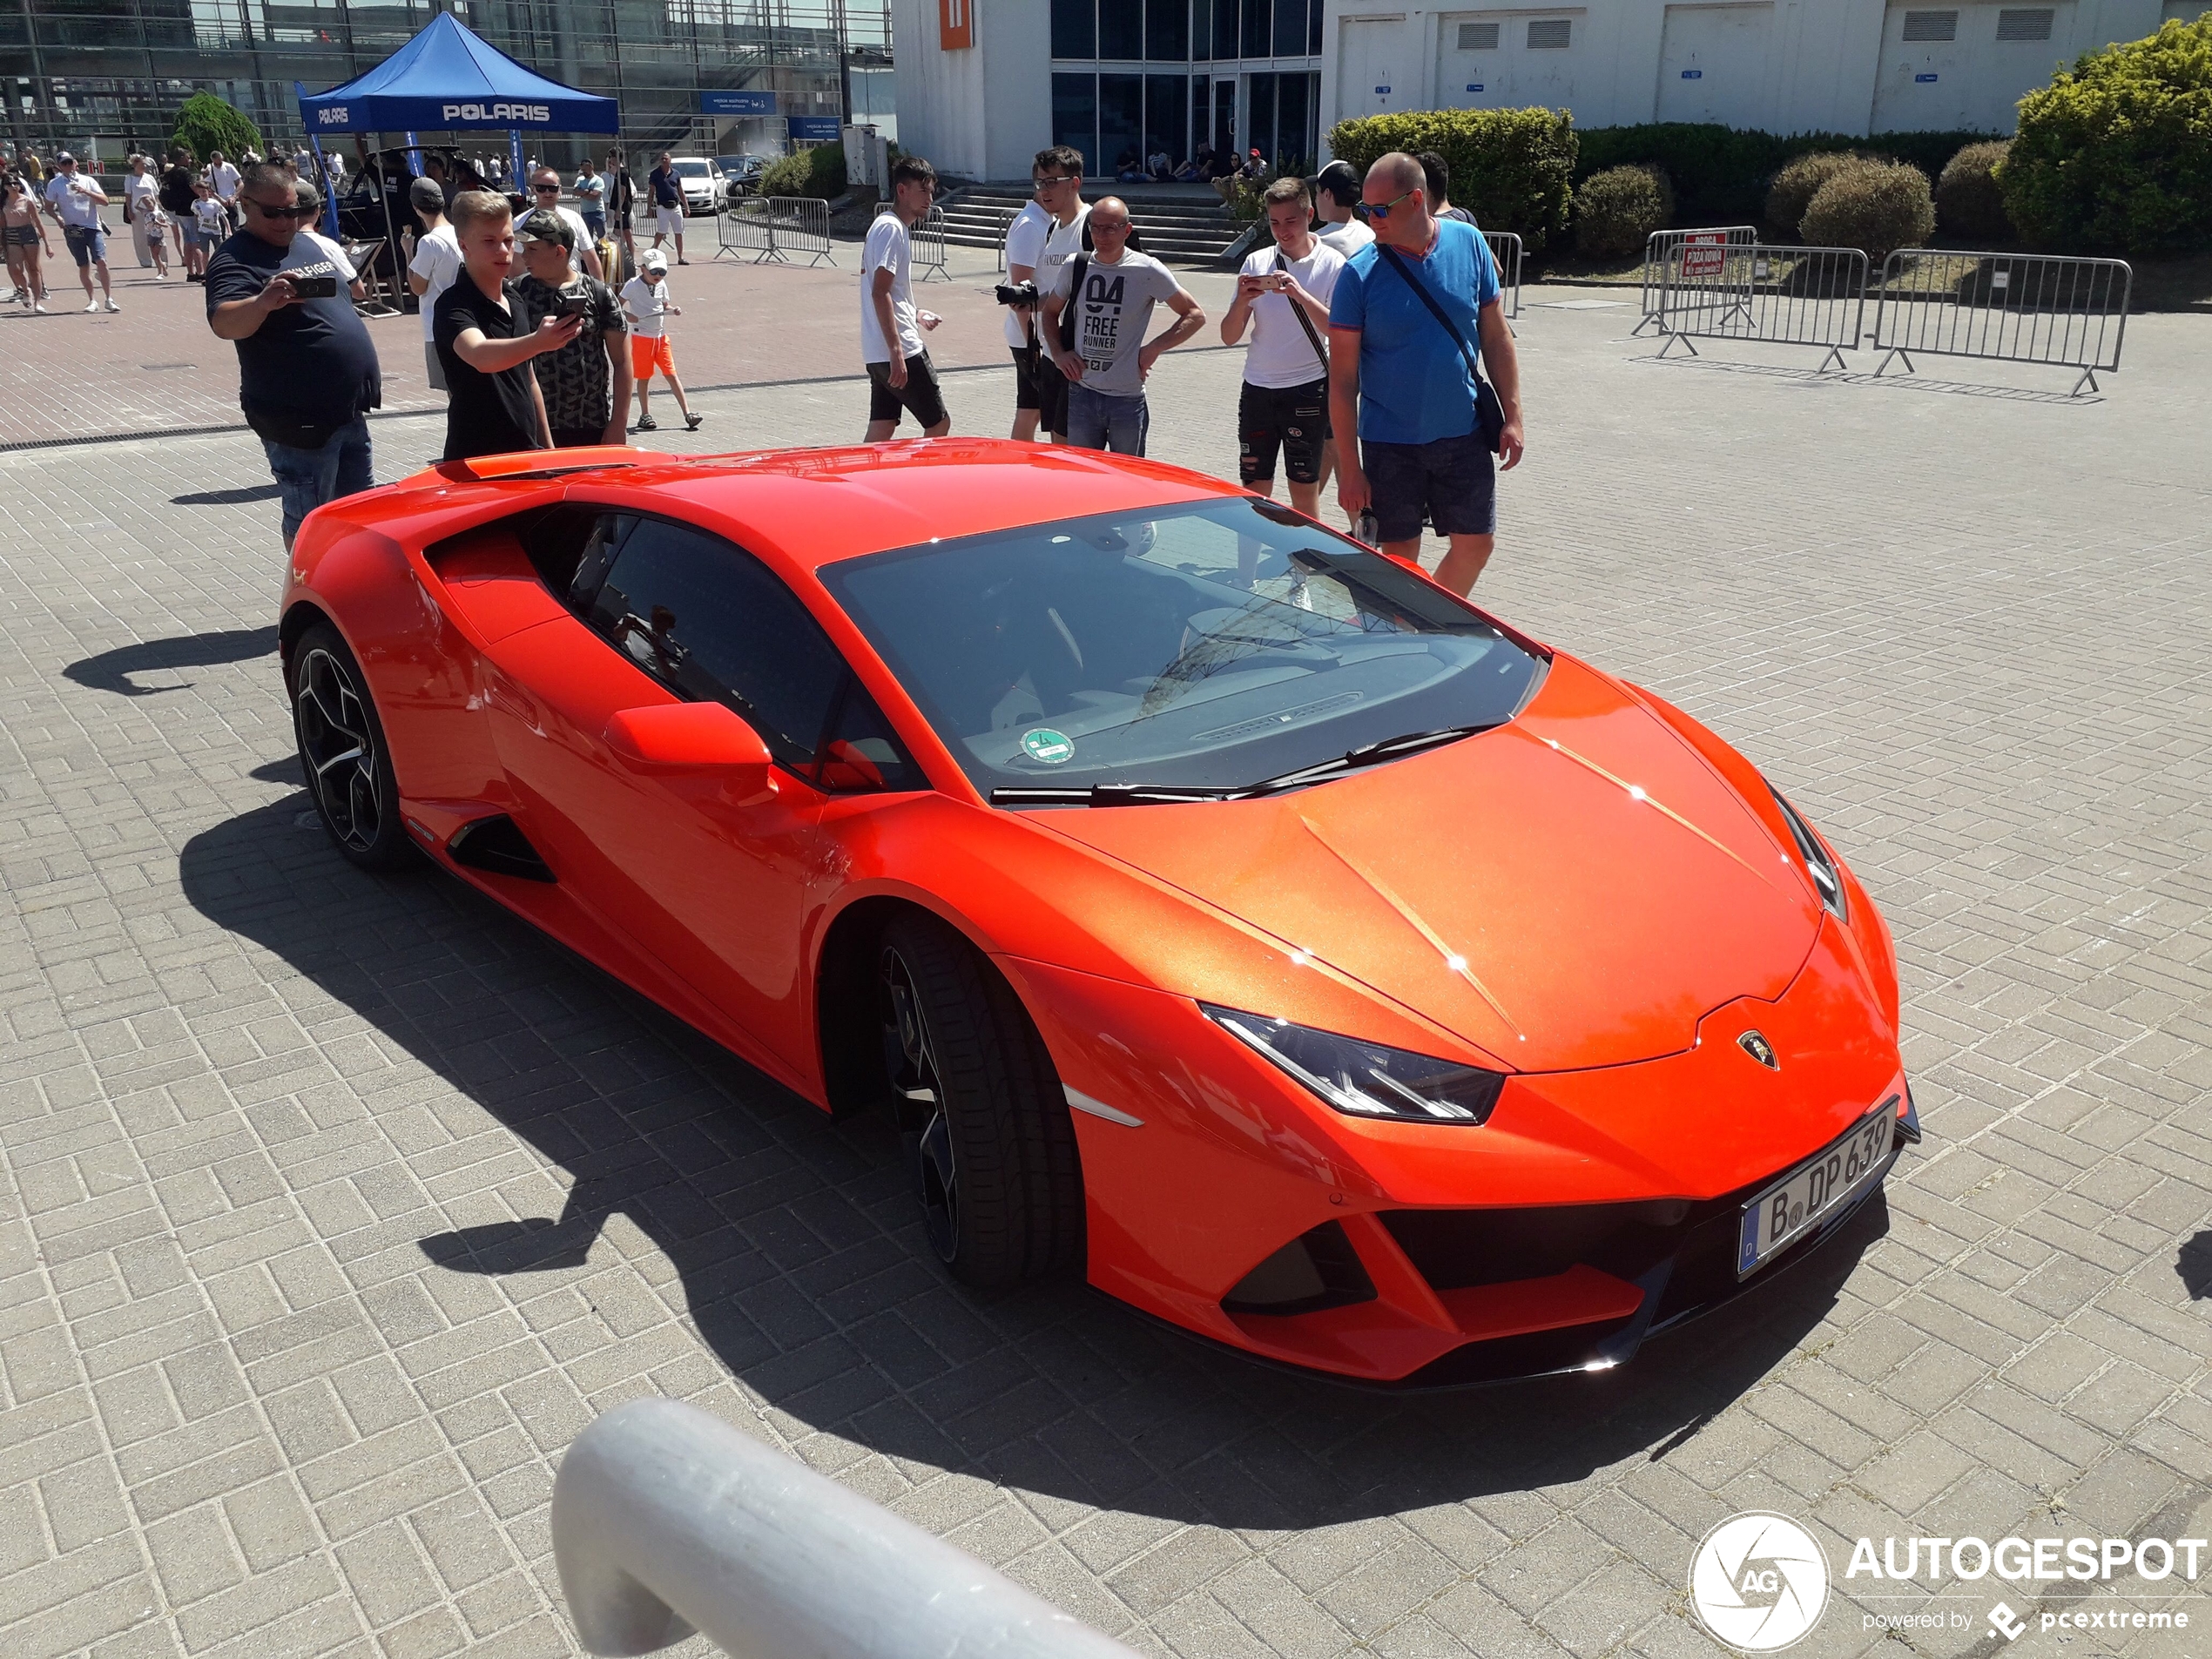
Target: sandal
{"x": 691, "y": 422}
{"x": 646, "y": 423}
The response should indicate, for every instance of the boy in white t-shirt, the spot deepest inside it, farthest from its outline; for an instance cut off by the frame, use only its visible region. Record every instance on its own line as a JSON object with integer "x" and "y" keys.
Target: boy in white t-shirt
{"x": 645, "y": 302}
{"x": 900, "y": 375}
{"x": 433, "y": 261}
{"x": 1283, "y": 292}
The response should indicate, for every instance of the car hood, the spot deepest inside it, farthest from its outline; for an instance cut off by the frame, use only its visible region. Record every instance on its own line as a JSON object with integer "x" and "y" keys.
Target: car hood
{"x": 1578, "y": 888}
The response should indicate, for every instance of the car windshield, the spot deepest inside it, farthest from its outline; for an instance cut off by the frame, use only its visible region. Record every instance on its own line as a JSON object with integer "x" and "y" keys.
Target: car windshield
{"x": 693, "y": 170}
{"x": 1210, "y": 646}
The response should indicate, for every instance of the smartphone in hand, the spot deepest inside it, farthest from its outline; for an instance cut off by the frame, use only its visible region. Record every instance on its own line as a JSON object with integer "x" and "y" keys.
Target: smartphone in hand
{"x": 316, "y": 287}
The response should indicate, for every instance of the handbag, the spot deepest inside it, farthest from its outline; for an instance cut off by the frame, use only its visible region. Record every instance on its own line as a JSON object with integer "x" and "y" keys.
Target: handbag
{"x": 1304, "y": 322}
{"x": 1489, "y": 412}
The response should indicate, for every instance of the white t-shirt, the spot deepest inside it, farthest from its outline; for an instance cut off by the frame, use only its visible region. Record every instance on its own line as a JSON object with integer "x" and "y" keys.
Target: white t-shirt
{"x": 79, "y": 210}
{"x": 580, "y": 238}
{"x": 224, "y": 178}
{"x": 213, "y": 221}
{"x": 1280, "y": 353}
{"x": 888, "y": 247}
{"x": 1025, "y": 240}
{"x": 644, "y": 300}
{"x": 138, "y": 190}
{"x": 1062, "y": 244}
{"x": 346, "y": 274}
{"x": 1348, "y": 238}
{"x": 437, "y": 261}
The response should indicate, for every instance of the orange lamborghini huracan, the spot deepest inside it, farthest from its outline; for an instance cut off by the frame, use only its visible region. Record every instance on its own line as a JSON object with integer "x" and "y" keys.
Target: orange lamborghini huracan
{"x": 1228, "y": 913}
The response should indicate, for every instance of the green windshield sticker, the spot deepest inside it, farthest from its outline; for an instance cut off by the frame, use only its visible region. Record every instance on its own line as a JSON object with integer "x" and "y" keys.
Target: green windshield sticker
{"x": 1048, "y": 747}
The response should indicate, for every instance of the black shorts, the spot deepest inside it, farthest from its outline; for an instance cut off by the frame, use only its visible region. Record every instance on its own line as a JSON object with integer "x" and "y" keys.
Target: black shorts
{"x": 1052, "y": 395}
{"x": 1452, "y": 482}
{"x": 1294, "y": 419}
{"x": 919, "y": 397}
{"x": 578, "y": 437}
{"x": 1025, "y": 376}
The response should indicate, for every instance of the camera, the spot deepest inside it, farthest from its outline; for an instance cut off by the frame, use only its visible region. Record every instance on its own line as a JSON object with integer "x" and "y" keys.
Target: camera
{"x": 1018, "y": 293}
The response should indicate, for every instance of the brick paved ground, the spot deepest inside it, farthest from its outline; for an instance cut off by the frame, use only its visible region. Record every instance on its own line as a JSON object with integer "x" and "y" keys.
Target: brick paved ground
{"x": 331, "y": 1208}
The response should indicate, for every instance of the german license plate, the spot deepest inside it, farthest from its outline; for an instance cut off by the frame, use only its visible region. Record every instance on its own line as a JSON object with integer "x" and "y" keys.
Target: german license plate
{"x": 1822, "y": 1183}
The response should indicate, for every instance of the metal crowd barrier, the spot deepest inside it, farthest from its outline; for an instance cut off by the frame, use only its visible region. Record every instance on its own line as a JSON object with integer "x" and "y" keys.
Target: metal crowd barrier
{"x": 667, "y": 1521}
{"x": 773, "y": 228}
{"x": 1660, "y": 247}
{"x": 2014, "y": 307}
{"x": 1792, "y": 296}
{"x": 928, "y": 241}
{"x": 1505, "y": 248}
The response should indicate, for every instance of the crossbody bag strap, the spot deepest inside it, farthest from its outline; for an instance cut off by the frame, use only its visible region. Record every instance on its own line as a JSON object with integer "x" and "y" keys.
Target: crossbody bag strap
{"x": 1304, "y": 321}
{"x": 1436, "y": 310}
{"x": 1082, "y": 261}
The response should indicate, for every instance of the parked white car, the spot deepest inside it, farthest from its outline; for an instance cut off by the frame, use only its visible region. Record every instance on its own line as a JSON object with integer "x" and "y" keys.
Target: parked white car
{"x": 702, "y": 182}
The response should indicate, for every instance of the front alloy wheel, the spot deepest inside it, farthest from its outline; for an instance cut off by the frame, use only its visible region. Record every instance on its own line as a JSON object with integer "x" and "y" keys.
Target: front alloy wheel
{"x": 342, "y": 753}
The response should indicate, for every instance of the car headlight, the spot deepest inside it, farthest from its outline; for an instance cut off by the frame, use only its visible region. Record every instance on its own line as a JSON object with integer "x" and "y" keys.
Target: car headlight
{"x": 1826, "y": 876}
{"x": 1366, "y": 1079}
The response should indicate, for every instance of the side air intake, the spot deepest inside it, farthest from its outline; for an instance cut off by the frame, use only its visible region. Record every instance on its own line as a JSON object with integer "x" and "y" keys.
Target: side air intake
{"x": 498, "y": 846}
{"x": 1317, "y": 1270}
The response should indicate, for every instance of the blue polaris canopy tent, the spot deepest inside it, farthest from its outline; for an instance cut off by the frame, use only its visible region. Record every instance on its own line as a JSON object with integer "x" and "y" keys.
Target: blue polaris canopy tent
{"x": 448, "y": 79}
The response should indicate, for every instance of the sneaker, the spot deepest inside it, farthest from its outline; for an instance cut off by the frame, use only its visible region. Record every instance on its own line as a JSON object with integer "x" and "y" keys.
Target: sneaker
{"x": 691, "y": 422}
{"x": 38, "y": 307}
{"x": 646, "y": 423}
{"x": 93, "y": 309}
{"x": 112, "y": 306}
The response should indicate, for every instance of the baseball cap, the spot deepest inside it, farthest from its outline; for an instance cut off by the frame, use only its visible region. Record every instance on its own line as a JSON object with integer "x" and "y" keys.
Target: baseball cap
{"x": 653, "y": 259}
{"x": 1339, "y": 179}
{"x": 63, "y": 155}
{"x": 427, "y": 192}
{"x": 541, "y": 227}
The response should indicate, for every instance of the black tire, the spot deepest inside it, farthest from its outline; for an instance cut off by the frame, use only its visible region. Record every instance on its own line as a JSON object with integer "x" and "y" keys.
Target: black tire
{"x": 985, "y": 1117}
{"x": 343, "y": 756}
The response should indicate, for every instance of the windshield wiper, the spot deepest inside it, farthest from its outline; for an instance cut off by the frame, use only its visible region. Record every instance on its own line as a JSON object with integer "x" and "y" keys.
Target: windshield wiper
{"x": 1369, "y": 754}
{"x": 1115, "y": 794}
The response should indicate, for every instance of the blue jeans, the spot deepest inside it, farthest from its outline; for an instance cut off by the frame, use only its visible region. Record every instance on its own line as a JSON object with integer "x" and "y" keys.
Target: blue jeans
{"x": 1101, "y": 421}
{"x": 308, "y": 478}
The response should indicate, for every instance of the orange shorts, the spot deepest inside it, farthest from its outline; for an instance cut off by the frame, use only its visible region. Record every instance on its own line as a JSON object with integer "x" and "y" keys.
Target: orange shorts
{"x": 648, "y": 352}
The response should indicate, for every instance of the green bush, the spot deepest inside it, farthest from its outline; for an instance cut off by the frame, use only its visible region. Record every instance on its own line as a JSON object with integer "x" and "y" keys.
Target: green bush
{"x": 1795, "y": 185}
{"x": 1512, "y": 169}
{"x": 1721, "y": 173}
{"x": 1876, "y": 206}
{"x": 1969, "y": 200}
{"x": 2116, "y": 152}
{"x": 1616, "y": 211}
{"x": 206, "y": 124}
{"x": 818, "y": 171}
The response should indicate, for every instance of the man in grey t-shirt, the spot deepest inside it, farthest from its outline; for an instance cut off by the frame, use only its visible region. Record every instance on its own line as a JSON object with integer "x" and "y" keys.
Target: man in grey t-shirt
{"x": 1104, "y": 355}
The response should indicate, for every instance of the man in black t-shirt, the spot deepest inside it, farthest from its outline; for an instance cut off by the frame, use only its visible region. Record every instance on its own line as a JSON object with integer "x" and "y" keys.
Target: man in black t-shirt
{"x": 586, "y": 383}
{"x": 485, "y": 343}
{"x": 308, "y": 371}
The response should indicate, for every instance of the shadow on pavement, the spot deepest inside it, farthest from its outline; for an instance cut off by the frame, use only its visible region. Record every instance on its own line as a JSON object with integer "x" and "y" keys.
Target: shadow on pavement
{"x": 110, "y": 670}
{"x": 2194, "y": 1266}
{"x": 803, "y": 1268}
{"x": 227, "y": 497}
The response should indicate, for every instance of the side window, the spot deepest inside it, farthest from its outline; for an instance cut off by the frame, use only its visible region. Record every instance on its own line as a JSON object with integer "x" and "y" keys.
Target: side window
{"x": 860, "y": 753}
{"x": 715, "y": 624}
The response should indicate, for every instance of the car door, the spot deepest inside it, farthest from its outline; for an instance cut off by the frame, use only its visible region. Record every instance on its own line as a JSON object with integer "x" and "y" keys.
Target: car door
{"x": 716, "y": 888}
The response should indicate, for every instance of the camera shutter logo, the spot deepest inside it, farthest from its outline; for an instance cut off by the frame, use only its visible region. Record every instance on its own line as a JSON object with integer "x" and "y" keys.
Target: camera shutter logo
{"x": 1759, "y": 1582}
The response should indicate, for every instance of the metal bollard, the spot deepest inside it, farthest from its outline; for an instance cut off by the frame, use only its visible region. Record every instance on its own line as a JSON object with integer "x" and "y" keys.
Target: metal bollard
{"x": 667, "y": 1521}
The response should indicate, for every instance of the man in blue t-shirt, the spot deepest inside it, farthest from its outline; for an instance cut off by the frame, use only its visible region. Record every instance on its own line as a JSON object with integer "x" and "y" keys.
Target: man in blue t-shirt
{"x": 1419, "y": 452}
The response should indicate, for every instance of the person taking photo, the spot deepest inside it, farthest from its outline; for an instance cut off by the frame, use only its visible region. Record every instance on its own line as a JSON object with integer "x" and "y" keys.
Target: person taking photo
{"x": 586, "y": 383}
{"x": 486, "y": 345}
{"x": 1283, "y": 293}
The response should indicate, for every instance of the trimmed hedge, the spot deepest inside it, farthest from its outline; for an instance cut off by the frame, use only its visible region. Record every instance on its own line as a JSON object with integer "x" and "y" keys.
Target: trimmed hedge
{"x": 2116, "y": 152}
{"x": 1969, "y": 200}
{"x": 1512, "y": 169}
{"x": 819, "y": 173}
{"x": 1616, "y": 211}
{"x": 1721, "y": 173}
{"x": 1795, "y": 185}
{"x": 1876, "y": 206}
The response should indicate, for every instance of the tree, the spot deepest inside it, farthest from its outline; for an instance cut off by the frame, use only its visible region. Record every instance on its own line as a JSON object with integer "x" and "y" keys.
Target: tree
{"x": 207, "y": 124}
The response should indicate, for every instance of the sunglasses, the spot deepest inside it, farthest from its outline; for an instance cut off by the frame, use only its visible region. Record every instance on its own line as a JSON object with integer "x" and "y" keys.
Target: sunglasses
{"x": 1108, "y": 227}
{"x": 285, "y": 213}
{"x": 546, "y": 189}
{"x": 1378, "y": 210}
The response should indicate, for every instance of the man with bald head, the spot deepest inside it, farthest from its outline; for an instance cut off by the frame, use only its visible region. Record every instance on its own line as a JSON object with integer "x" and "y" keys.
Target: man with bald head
{"x": 1404, "y": 388}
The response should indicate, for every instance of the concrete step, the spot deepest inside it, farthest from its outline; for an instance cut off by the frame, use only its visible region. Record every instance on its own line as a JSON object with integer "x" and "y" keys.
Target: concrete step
{"x": 1174, "y": 222}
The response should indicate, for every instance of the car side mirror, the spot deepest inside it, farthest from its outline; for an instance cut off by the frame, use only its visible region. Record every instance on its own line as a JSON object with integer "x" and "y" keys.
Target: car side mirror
{"x": 697, "y": 737}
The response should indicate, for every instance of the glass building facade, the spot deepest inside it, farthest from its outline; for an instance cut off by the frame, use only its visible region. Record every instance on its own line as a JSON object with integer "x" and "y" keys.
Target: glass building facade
{"x": 114, "y": 71}
{"x": 1133, "y": 77}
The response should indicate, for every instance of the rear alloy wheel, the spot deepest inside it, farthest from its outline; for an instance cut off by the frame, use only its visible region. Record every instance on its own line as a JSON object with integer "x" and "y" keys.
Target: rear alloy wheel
{"x": 980, "y": 1107}
{"x": 342, "y": 752}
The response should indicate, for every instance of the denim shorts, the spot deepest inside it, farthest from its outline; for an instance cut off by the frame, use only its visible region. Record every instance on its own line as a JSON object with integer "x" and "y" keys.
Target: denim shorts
{"x": 1102, "y": 420}
{"x": 87, "y": 247}
{"x": 1452, "y": 483}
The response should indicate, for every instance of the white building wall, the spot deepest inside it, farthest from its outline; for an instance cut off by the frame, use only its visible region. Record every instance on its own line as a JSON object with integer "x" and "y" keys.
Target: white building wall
{"x": 984, "y": 110}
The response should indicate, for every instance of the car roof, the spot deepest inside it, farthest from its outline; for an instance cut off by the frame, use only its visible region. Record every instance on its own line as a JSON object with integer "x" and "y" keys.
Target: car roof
{"x": 815, "y": 507}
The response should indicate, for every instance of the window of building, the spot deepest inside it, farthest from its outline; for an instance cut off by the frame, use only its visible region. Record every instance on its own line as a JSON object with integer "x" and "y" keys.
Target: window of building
{"x": 1167, "y": 109}
{"x": 1074, "y": 117}
{"x": 1259, "y": 29}
{"x": 1930, "y": 26}
{"x": 1121, "y": 29}
{"x": 1121, "y": 121}
{"x": 1075, "y": 28}
{"x": 1551, "y": 33}
{"x": 1478, "y": 36}
{"x": 1290, "y": 27}
{"x": 1225, "y": 38}
{"x": 1167, "y": 30}
{"x": 2025, "y": 23}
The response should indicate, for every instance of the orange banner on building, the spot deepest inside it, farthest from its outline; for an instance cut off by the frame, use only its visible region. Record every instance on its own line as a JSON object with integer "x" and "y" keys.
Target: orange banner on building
{"x": 955, "y": 23}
